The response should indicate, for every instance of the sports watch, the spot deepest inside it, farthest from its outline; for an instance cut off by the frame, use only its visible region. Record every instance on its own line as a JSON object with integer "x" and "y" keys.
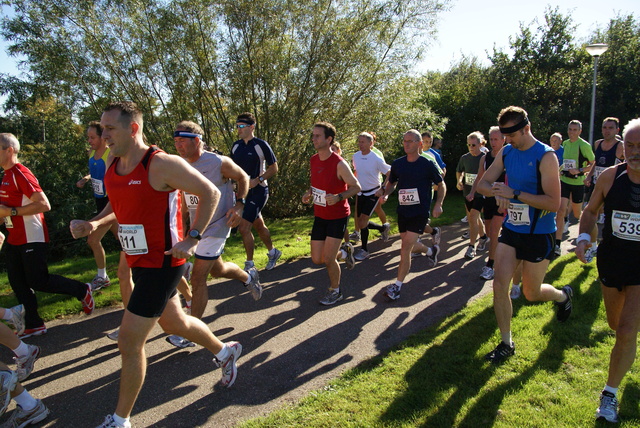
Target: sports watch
{"x": 195, "y": 234}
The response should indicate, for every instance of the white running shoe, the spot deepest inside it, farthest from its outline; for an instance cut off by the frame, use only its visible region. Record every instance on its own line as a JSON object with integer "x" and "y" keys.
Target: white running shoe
{"x": 17, "y": 318}
{"x": 385, "y": 232}
{"x": 361, "y": 254}
{"x": 601, "y": 219}
{"x": 273, "y": 259}
{"x": 179, "y": 341}
{"x": 8, "y": 381}
{"x": 464, "y": 219}
{"x": 114, "y": 335}
{"x": 228, "y": 366}
{"x": 516, "y": 291}
{"x": 24, "y": 365}
{"x": 487, "y": 273}
{"x": 21, "y": 418}
{"x": 254, "y": 284}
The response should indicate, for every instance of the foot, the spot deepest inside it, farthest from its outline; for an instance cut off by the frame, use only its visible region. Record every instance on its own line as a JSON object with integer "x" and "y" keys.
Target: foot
{"x": 385, "y": 232}
{"x": 114, "y": 335}
{"x": 465, "y": 235}
{"x": 391, "y": 292}
{"x": 99, "y": 282}
{"x": 516, "y": 291}
{"x": 229, "y": 365}
{"x": 179, "y": 341}
{"x": 36, "y": 331}
{"x": 22, "y": 418}
{"x": 361, "y": 254}
{"x": 435, "y": 250}
{"x": 487, "y": 273}
{"x": 273, "y": 258}
{"x": 24, "y": 365}
{"x": 436, "y": 235}
{"x": 8, "y": 381}
{"x": 501, "y": 353}
{"x": 354, "y": 238}
{"x": 87, "y": 302}
{"x": 464, "y": 219}
{"x": 483, "y": 242}
{"x": 254, "y": 284}
{"x": 564, "y": 308}
{"x": 331, "y": 297}
{"x": 17, "y": 318}
{"x": 470, "y": 254}
{"x": 350, "y": 260}
{"x": 608, "y": 409}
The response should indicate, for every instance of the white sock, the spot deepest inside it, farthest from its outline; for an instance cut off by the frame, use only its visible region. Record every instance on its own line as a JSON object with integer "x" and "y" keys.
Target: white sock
{"x": 399, "y": 284}
{"x": 102, "y": 273}
{"x": 120, "y": 420}
{"x": 429, "y": 251}
{"x": 607, "y": 388}
{"x": 223, "y": 354}
{"x": 343, "y": 254}
{"x": 188, "y": 303}
{"x": 26, "y": 401}
{"x": 506, "y": 338}
{"x": 22, "y": 350}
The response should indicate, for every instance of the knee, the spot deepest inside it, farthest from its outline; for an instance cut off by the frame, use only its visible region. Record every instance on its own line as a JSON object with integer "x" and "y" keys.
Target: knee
{"x": 317, "y": 259}
{"x": 626, "y": 334}
{"x": 531, "y": 295}
{"x": 244, "y": 227}
{"x": 93, "y": 241}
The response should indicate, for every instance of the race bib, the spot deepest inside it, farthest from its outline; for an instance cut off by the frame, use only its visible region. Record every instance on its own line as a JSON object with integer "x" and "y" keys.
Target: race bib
{"x": 8, "y": 222}
{"x": 519, "y": 215}
{"x": 568, "y": 164}
{"x": 133, "y": 239}
{"x": 191, "y": 200}
{"x": 626, "y": 225}
{"x": 408, "y": 197}
{"x": 469, "y": 179}
{"x": 597, "y": 171}
{"x": 98, "y": 186}
{"x": 319, "y": 196}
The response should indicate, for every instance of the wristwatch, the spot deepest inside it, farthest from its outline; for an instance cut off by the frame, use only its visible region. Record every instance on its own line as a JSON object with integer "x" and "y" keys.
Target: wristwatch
{"x": 195, "y": 234}
{"x": 516, "y": 195}
{"x": 14, "y": 211}
{"x": 261, "y": 179}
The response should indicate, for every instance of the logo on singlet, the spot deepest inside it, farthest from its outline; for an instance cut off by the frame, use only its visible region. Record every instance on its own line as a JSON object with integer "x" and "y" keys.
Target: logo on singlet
{"x": 135, "y": 182}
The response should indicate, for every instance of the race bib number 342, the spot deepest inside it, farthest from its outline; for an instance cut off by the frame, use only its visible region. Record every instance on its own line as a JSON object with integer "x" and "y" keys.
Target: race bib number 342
{"x": 408, "y": 197}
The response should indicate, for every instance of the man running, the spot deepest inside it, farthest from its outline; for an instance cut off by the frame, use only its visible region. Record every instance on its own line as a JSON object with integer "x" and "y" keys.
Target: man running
{"x": 531, "y": 199}
{"x": 142, "y": 182}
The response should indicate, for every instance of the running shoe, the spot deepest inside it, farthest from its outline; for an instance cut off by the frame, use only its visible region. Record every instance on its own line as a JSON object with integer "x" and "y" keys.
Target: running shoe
{"x": 435, "y": 250}
{"x": 37, "y": 331}
{"x": 8, "y": 380}
{"x": 516, "y": 291}
{"x": 179, "y": 341}
{"x": 608, "y": 409}
{"x": 114, "y": 335}
{"x": 566, "y": 227}
{"x": 464, "y": 219}
{"x": 384, "y": 234}
{"x": 17, "y": 318}
{"x": 87, "y": 302}
{"x": 601, "y": 219}
{"x": 414, "y": 255}
{"x": 110, "y": 423}
{"x": 557, "y": 251}
{"x": 273, "y": 259}
{"x": 188, "y": 271}
{"x": 99, "y": 282}
{"x": 254, "y": 284}
{"x": 471, "y": 253}
{"x": 391, "y": 292}
{"x": 331, "y": 297}
{"x": 24, "y": 365}
{"x": 436, "y": 235}
{"x": 350, "y": 260}
{"x": 354, "y": 237}
{"x": 591, "y": 252}
{"x": 228, "y": 366}
{"x": 21, "y": 418}
{"x": 487, "y": 273}
{"x": 483, "y": 242}
{"x": 564, "y": 308}
{"x": 501, "y": 353}
{"x": 361, "y": 254}
{"x": 465, "y": 235}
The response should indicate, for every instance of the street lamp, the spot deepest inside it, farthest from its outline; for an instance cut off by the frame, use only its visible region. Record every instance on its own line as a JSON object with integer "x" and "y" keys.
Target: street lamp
{"x": 595, "y": 50}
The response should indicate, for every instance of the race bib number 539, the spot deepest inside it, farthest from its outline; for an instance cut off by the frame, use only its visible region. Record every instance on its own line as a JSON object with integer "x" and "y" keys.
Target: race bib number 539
{"x": 625, "y": 225}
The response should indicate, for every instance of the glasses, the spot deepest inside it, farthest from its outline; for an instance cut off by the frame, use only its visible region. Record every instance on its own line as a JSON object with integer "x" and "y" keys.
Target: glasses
{"x": 242, "y": 126}
{"x": 471, "y": 145}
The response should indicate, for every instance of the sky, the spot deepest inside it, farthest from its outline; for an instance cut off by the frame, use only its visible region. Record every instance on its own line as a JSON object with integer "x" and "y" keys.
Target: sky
{"x": 473, "y": 27}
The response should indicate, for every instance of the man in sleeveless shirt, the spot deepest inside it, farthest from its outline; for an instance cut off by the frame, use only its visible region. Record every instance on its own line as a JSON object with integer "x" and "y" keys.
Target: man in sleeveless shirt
{"x": 531, "y": 199}
{"x": 618, "y": 190}
{"x": 332, "y": 184}
{"x": 143, "y": 185}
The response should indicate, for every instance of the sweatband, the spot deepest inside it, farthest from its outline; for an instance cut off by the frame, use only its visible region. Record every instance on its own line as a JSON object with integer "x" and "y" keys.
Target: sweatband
{"x": 245, "y": 120}
{"x": 583, "y": 237}
{"x": 186, "y": 134}
{"x": 514, "y": 128}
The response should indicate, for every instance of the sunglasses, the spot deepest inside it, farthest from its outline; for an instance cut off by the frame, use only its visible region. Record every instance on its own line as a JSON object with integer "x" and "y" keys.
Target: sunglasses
{"x": 242, "y": 126}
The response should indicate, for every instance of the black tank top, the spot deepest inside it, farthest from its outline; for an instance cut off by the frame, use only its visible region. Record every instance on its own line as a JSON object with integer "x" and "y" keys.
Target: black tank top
{"x": 622, "y": 213}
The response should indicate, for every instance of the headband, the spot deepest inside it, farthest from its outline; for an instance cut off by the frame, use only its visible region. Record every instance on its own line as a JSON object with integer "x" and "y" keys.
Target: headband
{"x": 514, "y": 128}
{"x": 246, "y": 120}
{"x": 186, "y": 134}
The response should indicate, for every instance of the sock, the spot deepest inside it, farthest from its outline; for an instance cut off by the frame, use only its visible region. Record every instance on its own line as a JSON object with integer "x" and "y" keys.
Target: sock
{"x": 484, "y": 236}
{"x": 102, "y": 273}
{"x": 343, "y": 254}
{"x": 250, "y": 262}
{"x": 22, "y": 350}
{"x": 473, "y": 246}
{"x": 429, "y": 251}
{"x": 490, "y": 263}
{"x": 364, "y": 237}
{"x": 399, "y": 284}
{"x": 223, "y": 354}
{"x": 506, "y": 338}
{"x": 516, "y": 284}
{"x": 272, "y": 251}
{"x": 120, "y": 420}
{"x": 607, "y": 388}
{"x": 26, "y": 401}
{"x": 188, "y": 303}
{"x": 375, "y": 226}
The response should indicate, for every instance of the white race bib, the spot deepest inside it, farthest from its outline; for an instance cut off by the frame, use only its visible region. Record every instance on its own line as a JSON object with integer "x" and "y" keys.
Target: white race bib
{"x": 191, "y": 201}
{"x": 408, "y": 196}
{"x": 133, "y": 239}
{"x": 568, "y": 164}
{"x": 8, "y": 222}
{"x": 626, "y": 225}
{"x": 519, "y": 215}
{"x": 319, "y": 196}
{"x": 98, "y": 186}
{"x": 597, "y": 171}
{"x": 469, "y": 179}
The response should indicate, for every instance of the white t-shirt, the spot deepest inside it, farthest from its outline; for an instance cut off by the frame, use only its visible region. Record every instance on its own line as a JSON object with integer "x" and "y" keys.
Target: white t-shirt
{"x": 368, "y": 169}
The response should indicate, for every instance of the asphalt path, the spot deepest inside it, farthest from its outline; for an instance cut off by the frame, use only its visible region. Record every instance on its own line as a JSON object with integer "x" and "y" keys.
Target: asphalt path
{"x": 292, "y": 345}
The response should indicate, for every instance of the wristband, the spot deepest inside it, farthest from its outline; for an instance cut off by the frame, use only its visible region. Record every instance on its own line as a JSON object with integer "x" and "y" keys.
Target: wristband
{"x": 583, "y": 237}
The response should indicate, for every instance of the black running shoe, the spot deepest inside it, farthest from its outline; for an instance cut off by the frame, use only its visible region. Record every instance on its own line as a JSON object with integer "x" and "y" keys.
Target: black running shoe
{"x": 564, "y": 308}
{"x": 501, "y": 353}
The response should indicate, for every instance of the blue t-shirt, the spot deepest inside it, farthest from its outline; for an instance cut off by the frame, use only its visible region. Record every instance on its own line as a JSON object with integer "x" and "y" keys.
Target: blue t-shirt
{"x": 560, "y": 155}
{"x": 97, "y": 169}
{"x": 415, "y": 180}
{"x": 252, "y": 156}
{"x": 523, "y": 173}
{"x": 436, "y": 155}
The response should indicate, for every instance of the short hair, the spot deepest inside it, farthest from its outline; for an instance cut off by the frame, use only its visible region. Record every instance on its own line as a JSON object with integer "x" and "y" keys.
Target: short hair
{"x": 95, "y": 124}
{"x": 247, "y": 118}
{"x": 7, "y": 140}
{"x": 426, "y": 134}
{"x": 576, "y": 122}
{"x": 367, "y": 135}
{"x": 478, "y": 136}
{"x": 612, "y": 119}
{"x": 336, "y": 145}
{"x": 494, "y": 129}
{"x": 415, "y": 133}
{"x": 632, "y": 125}
{"x": 513, "y": 114}
{"x": 329, "y": 129}
{"x": 373, "y": 134}
{"x": 191, "y": 127}
{"x": 129, "y": 111}
{"x": 556, "y": 134}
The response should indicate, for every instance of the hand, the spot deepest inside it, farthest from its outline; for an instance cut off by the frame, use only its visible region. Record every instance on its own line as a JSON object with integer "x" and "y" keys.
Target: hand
{"x": 574, "y": 171}
{"x": 253, "y": 183}
{"x": 80, "y": 184}
{"x": 383, "y": 199}
{"x": 587, "y": 181}
{"x": 469, "y": 197}
{"x": 437, "y": 210}
{"x": 332, "y": 199}
{"x": 183, "y": 249}
{"x": 306, "y": 198}
{"x": 581, "y": 248}
{"x": 80, "y": 228}
{"x": 459, "y": 186}
{"x": 501, "y": 189}
{"x": 503, "y": 203}
{"x": 234, "y": 215}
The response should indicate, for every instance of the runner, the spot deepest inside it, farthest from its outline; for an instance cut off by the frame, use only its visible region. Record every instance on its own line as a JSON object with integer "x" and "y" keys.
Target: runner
{"x": 332, "y": 184}
{"x": 531, "y": 199}
{"x": 414, "y": 176}
{"x": 142, "y": 183}
{"x": 618, "y": 189}
{"x": 22, "y": 205}
{"x": 251, "y": 154}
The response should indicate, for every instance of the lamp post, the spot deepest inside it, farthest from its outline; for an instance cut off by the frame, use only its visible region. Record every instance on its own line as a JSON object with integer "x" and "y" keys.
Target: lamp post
{"x": 595, "y": 50}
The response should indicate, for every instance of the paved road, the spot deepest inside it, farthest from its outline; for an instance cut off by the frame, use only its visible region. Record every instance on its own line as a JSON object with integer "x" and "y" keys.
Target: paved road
{"x": 292, "y": 345}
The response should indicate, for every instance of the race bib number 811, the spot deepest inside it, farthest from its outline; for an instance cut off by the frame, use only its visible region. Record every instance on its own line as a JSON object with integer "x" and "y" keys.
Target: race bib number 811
{"x": 133, "y": 239}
